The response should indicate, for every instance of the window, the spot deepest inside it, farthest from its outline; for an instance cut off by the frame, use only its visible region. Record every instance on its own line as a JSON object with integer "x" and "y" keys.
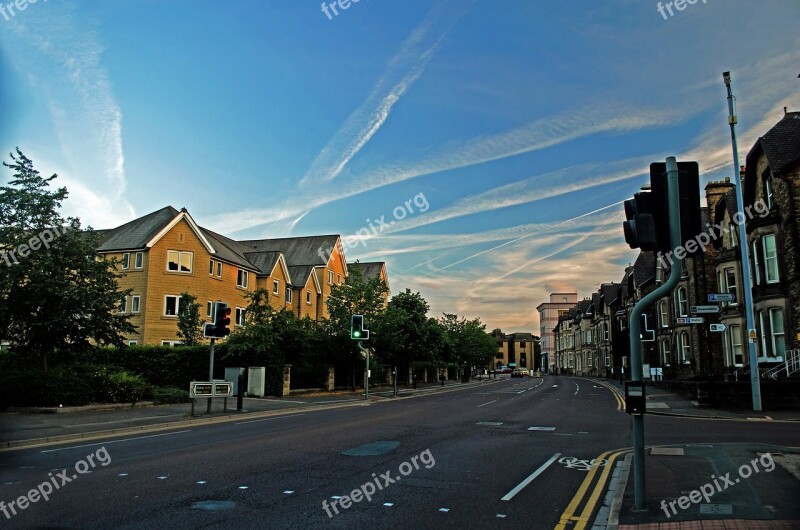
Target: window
{"x": 684, "y": 348}
{"x": 209, "y": 308}
{"x": 664, "y": 348}
{"x": 308, "y": 297}
{"x": 219, "y": 269}
{"x": 138, "y": 262}
{"x": 240, "y": 316}
{"x": 756, "y": 263}
{"x": 123, "y": 304}
{"x": 288, "y": 295}
{"x": 681, "y": 305}
{"x": 730, "y": 284}
{"x": 663, "y": 316}
{"x": 126, "y": 260}
{"x": 241, "y": 278}
{"x": 133, "y": 342}
{"x": 770, "y": 259}
{"x": 211, "y": 264}
{"x": 171, "y": 305}
{"x": 767, "y": 190}
{"x": 172, "y": 343}
{"x": 135, "y": 303}
{"x": 339, "y": 276}
{"x": 179, "y": 261}
{"x": 276, "y": 286}
{"x": 777, "y": 335}
{"x": 735, "y": 339}
{"x": 330, "y": 277}
{"x": 605, "y": 331}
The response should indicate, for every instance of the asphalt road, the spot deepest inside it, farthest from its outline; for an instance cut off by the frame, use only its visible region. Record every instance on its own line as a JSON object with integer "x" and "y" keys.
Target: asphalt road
{"x": 462, "y": 459}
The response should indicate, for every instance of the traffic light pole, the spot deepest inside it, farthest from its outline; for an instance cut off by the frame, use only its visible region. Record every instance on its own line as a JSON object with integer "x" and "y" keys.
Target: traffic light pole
{"x": 210, "y": 372}
{"x": 755, "y": 382}
{"x": 634, "y": 324}
{"x": 366, "y": 371}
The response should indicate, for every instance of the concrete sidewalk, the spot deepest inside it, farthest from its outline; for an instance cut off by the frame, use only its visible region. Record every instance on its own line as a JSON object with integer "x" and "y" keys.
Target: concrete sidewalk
{"x": 667, "y": 403}
{"x": 25, "y": 429}
{"x": 716, "y": 486}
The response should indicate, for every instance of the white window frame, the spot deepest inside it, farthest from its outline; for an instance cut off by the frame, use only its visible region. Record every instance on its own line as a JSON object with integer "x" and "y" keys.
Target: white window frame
{"x": 681, "y": 302}
{"x": 133, "y": 342}
{"x": 211, "y": 266}
{"x": 172, "y": 343}
{"x": 330, "y": 278}
{"x": 242, "y": 274}
{"x": 775, "y": 336}
{"x": 177, "y": 305}
{"x": 768, "y": 196}
{"x": 288, "y": 295}
{"x": 727, "y": 274}
{"x": 180, "y": 255}
{"x": 663, "y": 314}
{"x": 768, "y": 259}
{"x": 136, "y": 304}
{"x": 240, "y": 315}
{"x": 684, "y": 347}
{"x": 276, "y": 287}
{"x": 209, "y": 308}
{"x": 756, "y": 264}
{"x": 308, "y": 297}
{"x": 138, "y": 260}
{"x": 123, "y": 305}
{"x": 664, "y": 351}
{"x": 126, "y": 260}
{"x": 736, "y": 342}
{"x": 219, "y": 269}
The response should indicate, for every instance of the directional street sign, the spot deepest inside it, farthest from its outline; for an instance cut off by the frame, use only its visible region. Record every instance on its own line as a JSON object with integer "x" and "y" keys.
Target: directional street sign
{"x": 718, "y": 327}
{"x": 721, "y": 297}
{"x": 705, "y": 309}
{"x": 691, "y": 320}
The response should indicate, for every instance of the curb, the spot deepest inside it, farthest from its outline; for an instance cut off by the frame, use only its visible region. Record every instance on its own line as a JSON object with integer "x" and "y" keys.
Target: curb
{"x": 14, "y": 445}
{"x": 619, "y": 494}
{"x": 84, "y": 408}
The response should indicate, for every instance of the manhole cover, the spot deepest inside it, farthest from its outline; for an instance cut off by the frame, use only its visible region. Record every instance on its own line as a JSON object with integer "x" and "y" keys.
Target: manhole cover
{"x": 213, "y": 506}
{"x": 371, "y": 449}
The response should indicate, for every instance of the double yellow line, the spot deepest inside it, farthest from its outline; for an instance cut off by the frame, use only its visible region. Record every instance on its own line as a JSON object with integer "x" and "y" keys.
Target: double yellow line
{"x": 570, "y": 519}
{"x": 618, "y": 395}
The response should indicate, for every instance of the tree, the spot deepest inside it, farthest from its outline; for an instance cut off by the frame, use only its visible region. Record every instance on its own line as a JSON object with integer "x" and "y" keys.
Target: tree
{"x": 190, "y": 324}
{"x": 56, "y": 296}
{"x": 403, "y": 330}
{"x": 468, "y": 340}
{"x": 356, "y": 296}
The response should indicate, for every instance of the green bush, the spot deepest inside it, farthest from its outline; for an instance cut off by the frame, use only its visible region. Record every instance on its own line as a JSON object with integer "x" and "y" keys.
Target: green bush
{"x": 170, "y": 396}
{"x": 129, "y": 388}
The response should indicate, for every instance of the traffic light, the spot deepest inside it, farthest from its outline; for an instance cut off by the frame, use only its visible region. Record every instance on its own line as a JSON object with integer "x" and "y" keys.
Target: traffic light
{"x": 640, "y": 227}
{"x": 647, "y": 334}
{"x": 222, "y": 319}
{"x": 357, "y": 331}
{"x": 689, "y": 200}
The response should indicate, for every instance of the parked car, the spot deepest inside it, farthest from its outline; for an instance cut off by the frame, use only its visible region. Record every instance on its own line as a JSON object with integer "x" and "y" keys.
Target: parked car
{"x": 520, "y": 372}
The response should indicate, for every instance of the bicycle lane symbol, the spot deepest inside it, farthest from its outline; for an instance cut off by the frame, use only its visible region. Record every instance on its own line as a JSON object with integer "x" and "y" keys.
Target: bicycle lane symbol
{"x": 570, "y": 462}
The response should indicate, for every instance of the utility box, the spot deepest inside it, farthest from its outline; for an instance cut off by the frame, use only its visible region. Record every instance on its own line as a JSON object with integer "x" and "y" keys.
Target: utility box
{"x": 255, "y": 381}
{"x": 232, "y": 375}
{"x": 634, "y": 397}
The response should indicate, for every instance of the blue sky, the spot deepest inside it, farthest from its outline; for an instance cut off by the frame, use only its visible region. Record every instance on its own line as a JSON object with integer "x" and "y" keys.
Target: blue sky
{"x": 517, "y": 126}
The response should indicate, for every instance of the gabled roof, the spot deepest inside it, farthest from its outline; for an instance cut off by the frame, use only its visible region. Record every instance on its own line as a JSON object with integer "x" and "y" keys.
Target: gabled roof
{"x": 781, "y": 146}
{"x": 266, "y": 262}
{"x": 370, "y": 269}
{"x": 310, "y": 250}
{"x": 610, "y": 292}
{"x": 229, "y": 250}
{"x": 644, "y": 268}
{"x": 299, "y": 276}
{"x": 137, "y": 233}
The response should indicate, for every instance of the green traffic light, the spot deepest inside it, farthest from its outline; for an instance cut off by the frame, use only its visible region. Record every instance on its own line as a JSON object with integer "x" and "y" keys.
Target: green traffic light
{"x": 356, "y": 334}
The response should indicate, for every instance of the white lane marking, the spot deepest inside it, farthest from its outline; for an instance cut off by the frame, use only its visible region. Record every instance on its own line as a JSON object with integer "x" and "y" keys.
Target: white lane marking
{"x": 541, "y": 428}
{"x": 501, "y": 515}
{"x": 270, "y": 419}
{"x": 289, "y": 492}
{"x": 490, "y": 423}
{"x": 243, "y": 487}
{"x": 122, "y": 475}
{"x": 201, "y": 481}
{"x": 576, "y": 389}
{"x": 555, "y": 386}
{"x": 162, "y": 478}
{"x": 388, "y": 504}
{"x": 510, "y": 495}
{"x": 488, "y": 403}
{"x": 114, "y": 441}
{"x": 444, "y": 509}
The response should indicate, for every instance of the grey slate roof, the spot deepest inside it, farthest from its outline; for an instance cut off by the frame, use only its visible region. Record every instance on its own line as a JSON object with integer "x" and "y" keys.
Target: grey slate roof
{"x": 781, "y": 144}
{"x": 264, "y": 261}
{"x": 135, "y": 234}
{"x": 644, "y": 268}
{"x": 229, "y": 250}
{"x": 299, "y": 274}
{"x": 297, "y": 250}
{"x": 370, "y": 269}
